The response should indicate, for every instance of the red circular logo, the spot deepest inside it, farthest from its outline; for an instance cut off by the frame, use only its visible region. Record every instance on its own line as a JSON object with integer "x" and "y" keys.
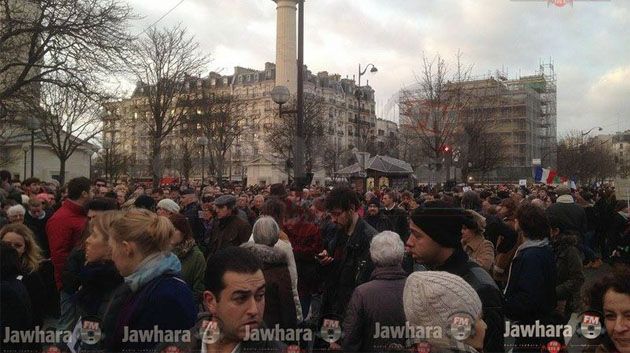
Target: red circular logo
{"x": 423, "y": 347}
{"x": 171, "y": 349}
{"x": 554, "y": 347}
{"x": 52, "y": 349}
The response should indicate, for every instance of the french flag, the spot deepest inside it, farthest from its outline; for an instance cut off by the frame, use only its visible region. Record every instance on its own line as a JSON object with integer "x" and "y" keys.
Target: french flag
{"x": 543, "y": 175}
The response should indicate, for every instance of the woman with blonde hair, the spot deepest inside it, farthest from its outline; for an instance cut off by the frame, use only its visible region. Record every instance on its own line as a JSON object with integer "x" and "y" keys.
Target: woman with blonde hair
{"x": 98, "y": 278}
{"x": 153, "y": 296}
{"x": 22, "y": 239}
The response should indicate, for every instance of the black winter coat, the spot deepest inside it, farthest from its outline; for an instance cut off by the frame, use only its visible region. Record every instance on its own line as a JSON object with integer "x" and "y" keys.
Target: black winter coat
{"x": 530, "y": 293}
{"x": 399, "y": 219}
{"x": 570, "y": 274}
{"x": 488, "y": 291}
{"x": 378, "y": 301}
{"x": 351, "y": 267}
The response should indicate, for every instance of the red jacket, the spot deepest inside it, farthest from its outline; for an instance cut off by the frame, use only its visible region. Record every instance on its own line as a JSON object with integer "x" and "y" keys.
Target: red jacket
{"x": 64, "y": 230}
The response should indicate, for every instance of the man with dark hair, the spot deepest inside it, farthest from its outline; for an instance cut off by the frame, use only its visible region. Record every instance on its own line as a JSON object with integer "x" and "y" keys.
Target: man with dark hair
{"x": 64, "y": 230}
{"x": 435, "y": 242}
{"x": 8, "y": 191}
{"x": 31, "y": 186}
{"x": 346, "y": 260}
{"x": 530, "y": 294}
{"x": 235, "y": 300}
{"x": 375, "y": 217}
{"x": 397, "y": 216}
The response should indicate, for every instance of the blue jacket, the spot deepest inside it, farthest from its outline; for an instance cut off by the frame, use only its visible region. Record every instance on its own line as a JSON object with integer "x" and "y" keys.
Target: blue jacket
{"x": 530, "y": 293}
{"x": 165, "y": 301}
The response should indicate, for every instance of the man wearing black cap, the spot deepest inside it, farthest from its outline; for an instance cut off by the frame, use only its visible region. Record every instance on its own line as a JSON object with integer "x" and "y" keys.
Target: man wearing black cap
{"x": 229, "y": 229}
{"x": 435, "y": 242}
{"x": 375, "y": 217}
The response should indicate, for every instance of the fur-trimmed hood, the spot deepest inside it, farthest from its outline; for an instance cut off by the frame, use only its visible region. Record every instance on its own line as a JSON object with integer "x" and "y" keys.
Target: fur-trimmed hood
{"x": 268, "y": 255}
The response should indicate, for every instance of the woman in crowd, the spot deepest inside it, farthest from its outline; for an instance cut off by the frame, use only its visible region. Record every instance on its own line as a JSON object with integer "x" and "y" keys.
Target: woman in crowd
{"x": 278, "y": 291}
{"x": 530, "y": 294}
{"x": 435, "y": 299}
{"x": 476, "y": 246}
{"x": 15, "y": 305}
{"x": 21, "y": 238}
{"x": 153, "y": 295}
{"x": 189, "y": 254}
{"x": 15, "y": 214}
{"x": 98, "y": 278}
{"x": 276, "y": 209}
{"x": 611, "y": 297}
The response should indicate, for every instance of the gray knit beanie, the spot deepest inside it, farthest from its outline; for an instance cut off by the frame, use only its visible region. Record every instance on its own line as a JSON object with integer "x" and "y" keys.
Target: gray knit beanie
{"x": 432, "y": 298}
{"x": 169, "y": 205}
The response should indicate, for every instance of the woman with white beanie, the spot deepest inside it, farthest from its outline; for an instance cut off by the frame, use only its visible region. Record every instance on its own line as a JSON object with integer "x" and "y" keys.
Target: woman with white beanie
{"x": 446, "y": 309}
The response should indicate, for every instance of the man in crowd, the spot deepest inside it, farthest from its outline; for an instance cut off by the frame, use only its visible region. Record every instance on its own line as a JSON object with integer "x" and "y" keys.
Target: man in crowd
{"x": 435, "y": 242}
{"x": 190, "y": 208}
{"x": 36, "y": 218}
{"x": 235, "y": 299}
{"x": 64, "y": 230}
{"x": 346, "y": 261}
{"x": 31, "y": 187}
{"x": 375, "y": 217}
{"x": 228, "y": 229}
{"x": 398, "y": 217}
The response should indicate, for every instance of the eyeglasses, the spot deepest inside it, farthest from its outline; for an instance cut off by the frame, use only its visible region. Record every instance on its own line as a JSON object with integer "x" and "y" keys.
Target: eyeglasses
{"x": 100, "y": 184}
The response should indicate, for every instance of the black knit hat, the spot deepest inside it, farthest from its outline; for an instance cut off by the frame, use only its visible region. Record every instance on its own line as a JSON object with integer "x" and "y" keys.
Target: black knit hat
{"x": 374, "y": 201}
{"x": 443, "y": 225}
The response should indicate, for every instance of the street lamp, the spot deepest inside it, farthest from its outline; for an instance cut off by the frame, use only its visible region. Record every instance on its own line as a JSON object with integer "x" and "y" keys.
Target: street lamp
{"x": 93, "y": 156}
{"x": 25, "y": 148}
{"x": 203, "y": 141}
{"x": 280, "y": 95}
{"x": 362, "y": 158}
{"x": 359, "y": 94}
{"x": 32, "y": 124}
{"x": 599, "y": 128}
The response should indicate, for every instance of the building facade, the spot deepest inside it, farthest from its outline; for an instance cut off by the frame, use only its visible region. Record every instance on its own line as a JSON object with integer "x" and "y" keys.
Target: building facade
{"x": 252, "y": 88}
{"x": 523, "y": 116}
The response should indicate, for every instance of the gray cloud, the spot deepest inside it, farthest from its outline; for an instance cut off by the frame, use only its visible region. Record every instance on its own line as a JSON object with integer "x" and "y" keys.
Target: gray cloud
{"x": 587, "y": 42}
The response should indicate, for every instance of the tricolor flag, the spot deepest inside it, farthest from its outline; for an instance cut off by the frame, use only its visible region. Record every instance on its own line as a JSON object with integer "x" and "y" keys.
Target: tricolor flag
{"x": 544, "y": 175}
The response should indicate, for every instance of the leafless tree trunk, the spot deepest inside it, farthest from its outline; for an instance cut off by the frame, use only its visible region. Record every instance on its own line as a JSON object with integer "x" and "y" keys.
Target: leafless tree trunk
{"x": 69, "y": 119}
{"x": 165, "y": 64}
{"x": 220, "y": 118}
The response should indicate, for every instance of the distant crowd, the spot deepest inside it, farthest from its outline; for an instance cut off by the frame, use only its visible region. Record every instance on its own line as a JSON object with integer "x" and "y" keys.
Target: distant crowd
{"x": 326, "y": 259}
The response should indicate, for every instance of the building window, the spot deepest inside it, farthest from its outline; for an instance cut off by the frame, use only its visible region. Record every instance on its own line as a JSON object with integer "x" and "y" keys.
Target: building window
{"x": 381, "y": 132}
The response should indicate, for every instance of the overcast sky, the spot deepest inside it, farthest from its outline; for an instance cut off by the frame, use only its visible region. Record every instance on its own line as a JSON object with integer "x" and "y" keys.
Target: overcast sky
{"x": 588, "y": 43}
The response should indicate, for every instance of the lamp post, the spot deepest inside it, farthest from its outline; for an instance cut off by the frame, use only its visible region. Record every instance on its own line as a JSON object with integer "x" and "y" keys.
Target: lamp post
{"x": 105, "y": 150}
{"x": 359, "y": 94}
{"x": 362, "y": 158}
{"x": 203, "y": 141}
{"x": 25, "y": 148}
{"x": 280, "y": 95}
{"x": 32, "y": 124}
{"x": 93, "y": 156}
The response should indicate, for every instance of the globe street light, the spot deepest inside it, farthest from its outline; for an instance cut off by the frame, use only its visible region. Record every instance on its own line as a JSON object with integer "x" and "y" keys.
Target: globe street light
{"x": 280, "y": 95}
{"x": 25, "y": 148}
{"x": 203, "y": 141}
{"x": 359, "y": 94}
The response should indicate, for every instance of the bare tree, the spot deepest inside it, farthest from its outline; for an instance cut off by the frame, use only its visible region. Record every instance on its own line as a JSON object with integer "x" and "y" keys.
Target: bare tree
{"x": 71, "y": 44}
{"x": 221, "y": 118}
{"x": 113, "y": 162}
{"x": 585, "y": 159}
{"x": 432, "y": 108}
{"x": 480, "y": 148}
{"x": 186, "y": 153}
{"x": 69, "y": 120}
{"x": 164, "y": 63}
{"x": 282, "y": 133}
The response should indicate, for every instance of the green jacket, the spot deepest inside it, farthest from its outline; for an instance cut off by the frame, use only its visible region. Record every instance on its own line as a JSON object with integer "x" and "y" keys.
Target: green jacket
{"x": 194, "y": 270}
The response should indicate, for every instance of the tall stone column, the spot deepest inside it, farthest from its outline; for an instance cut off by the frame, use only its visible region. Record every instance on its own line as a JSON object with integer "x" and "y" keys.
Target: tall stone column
{"x": 286, "y": 44}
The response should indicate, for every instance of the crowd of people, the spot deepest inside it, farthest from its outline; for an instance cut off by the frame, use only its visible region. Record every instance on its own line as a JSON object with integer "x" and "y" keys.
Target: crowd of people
{"x": 464, "y": 260}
